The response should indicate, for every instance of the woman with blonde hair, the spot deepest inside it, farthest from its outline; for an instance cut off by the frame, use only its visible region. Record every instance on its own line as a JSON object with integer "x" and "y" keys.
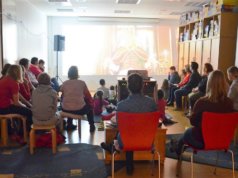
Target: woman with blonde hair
{"x": 9, "y": 94}
{"x": 215, "y": 100}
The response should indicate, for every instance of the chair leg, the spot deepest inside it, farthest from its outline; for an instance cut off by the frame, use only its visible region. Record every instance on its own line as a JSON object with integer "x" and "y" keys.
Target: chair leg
{"x": 24, "y": 129}
{"x": 215, "y": 170}
{"x": 79, "y": 127}
{"x": 153, "y": 163}
{"x": 4, "y": 134}
{"x": 233, "y": 163}
{"x": 192, "y": 165}
{"x": 158, "y": 164}
{"x": 113, "y": 160}
{"x": 32, "y": 141}
{"x": 54, "y": 143}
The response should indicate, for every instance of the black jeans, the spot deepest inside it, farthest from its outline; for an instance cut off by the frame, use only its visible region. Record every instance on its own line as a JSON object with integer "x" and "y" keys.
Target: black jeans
{"x": 13, "y": 109}
{"x": 87, "y": 109}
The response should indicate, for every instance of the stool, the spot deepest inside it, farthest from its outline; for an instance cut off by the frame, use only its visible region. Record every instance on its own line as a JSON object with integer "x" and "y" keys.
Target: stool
{"x": 74, "y": 116}
{"x": 51, "y": 128}
{"x": 4, "y": 128}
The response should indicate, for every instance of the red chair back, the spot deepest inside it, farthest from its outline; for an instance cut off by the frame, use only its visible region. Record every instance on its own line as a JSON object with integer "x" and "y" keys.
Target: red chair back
{"x": 137, "y": 130}
{"x": 218, "y": 129}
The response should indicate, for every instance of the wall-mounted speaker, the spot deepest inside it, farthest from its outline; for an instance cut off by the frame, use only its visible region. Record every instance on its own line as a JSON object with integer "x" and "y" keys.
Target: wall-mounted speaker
{"x": 59, "y": 42}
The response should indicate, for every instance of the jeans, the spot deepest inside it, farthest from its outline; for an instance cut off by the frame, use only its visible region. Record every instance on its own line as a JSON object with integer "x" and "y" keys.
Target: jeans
{"x": 129, "y": 154}
{"x": 187, "y": 138}
{"x": 87, "y": 109}
{"x": 172, "y": 89}
{"x": 193, "y": 97}
{"x": 178, "y": 96}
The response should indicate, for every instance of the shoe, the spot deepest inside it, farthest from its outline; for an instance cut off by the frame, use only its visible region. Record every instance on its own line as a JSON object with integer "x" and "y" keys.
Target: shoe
{"x": 71, "y": 127}
{"x": 129, "y": 171}
{"x": 92, "y": 128}
{"x": 170, "y": 104}
{"x": 108, "y": 147}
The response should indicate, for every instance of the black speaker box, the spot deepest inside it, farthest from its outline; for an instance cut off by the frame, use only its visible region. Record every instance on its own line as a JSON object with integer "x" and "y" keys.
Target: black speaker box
{"x": 59, "y": 41}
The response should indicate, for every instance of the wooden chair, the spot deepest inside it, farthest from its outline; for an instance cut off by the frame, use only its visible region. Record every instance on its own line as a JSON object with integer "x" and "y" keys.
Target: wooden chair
{"x": 137, "y": 131}
{"x": 218, "y": 131}
{"x": 4, "y": 128}
{"x": 74, "y": 116}
{"x": 50, "y": 128}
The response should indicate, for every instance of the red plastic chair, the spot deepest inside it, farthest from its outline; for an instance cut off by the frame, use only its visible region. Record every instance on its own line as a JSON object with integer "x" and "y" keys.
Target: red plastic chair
{"x": 218, "y": 131}
{"x": 138, "y": 131}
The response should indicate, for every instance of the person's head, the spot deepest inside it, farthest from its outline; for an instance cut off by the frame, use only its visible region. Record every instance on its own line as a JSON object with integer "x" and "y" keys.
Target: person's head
{"x": 43, "y": 79}
{"x": 15, "y": 72}
{"x": 41, "y": 62}
{"x": 112, "y": 87}
{"x": 160, "y": 94}
{"x": 165, "y": 84}
{"x": 232, "y": 73}
{"x": 34, "y": 60}
{"x": 5, "y": 69}
{"x": 99, "y": 94}
{"x": 135, "y": 83}
{"x": 102, "y": 82}
{"x": 183, "y": 72}
{"x": 194, "y": 66}
{"x": 24, "y": 62}
{"x": 207, "y": 68}
{"x": 216, "y": 86}
{"x": 73, "y": 73}
{"x": 172, "y": 69}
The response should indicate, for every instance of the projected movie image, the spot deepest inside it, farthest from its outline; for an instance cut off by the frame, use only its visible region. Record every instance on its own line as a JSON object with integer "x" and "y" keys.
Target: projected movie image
{"x": 113, "y": 50}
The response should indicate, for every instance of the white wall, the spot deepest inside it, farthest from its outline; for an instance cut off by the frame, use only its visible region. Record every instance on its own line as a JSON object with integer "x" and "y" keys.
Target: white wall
{"x": 24, "y": 31}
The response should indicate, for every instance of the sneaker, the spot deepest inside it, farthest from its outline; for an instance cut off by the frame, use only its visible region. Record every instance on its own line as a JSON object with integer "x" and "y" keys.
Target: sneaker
{"x": 71, "y": 127}
{"x": 108, "y": 147}
{"x": 173, "y": 145}
{"x": 129, "y": 171}
{"x": 92, "y": 128}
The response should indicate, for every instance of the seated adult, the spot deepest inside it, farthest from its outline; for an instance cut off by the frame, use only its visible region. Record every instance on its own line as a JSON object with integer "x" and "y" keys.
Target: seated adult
{"x": 136, "y": 102}
{"x": 9, "y": 94}
{"x": 4, "y": 70}
{"x": 232, "y": 73}
{"x": 173, "y": 88}
{"x": 34, "y": 68}
{"x": 173, "y": 77}
{"x": 186, "y": 89}
{"x": 200, "y": 90}
{"x": 216, "y": 100}
{"x": 31, "y": 78}
{"x": 76, "y": 98}
{"x": 41, "y": 65}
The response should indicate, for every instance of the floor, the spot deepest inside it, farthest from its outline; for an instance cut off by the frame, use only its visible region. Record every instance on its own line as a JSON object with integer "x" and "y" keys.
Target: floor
{"x": 143, "y": 170}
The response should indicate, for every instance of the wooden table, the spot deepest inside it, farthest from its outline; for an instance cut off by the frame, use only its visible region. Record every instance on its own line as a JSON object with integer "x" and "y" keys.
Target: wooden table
{"x": 110, "y": 133}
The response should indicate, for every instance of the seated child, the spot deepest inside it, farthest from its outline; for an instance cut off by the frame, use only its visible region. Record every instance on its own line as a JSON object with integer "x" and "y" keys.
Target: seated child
{"x": 99, "y": 103}
{"x": 112, "y": 95}
{"x": 161, "y": 103}
{"x": 103, "y": 88}
{"x": 44, "y": 102}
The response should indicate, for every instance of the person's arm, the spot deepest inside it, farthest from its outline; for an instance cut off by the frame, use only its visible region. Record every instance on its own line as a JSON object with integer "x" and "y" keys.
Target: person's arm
{"x": 196, "y": 117}
{"x": 16, "y": 101}
{"x": 87, "y": 96}
{"x": 232, "y": 93}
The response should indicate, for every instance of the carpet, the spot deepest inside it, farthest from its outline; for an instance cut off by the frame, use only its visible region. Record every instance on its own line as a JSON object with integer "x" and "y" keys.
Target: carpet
{"x": 71, "y": 160}
{"x": 204, "y": 157}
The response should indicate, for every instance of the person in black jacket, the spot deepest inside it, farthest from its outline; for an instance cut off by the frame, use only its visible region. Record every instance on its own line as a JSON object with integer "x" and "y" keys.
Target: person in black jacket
{"x": 200, "y": 90}
{"x": 195, "y": 78}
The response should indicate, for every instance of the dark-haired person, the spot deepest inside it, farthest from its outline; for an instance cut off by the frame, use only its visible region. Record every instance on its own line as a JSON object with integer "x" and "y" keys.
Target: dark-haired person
{"x": 34, "y": 68}
{"x": 41, "y": 65}
{"x": 194, "y": 79}
{"x": 9, "y": 94}
{"x": 103, "y": 88}
{"x": 76, "y": 98}
{"x": 173, "y": 77}
{"x": 232, "y": 73}
{"x": 174, "y": 87}
{"x": 4, "y": 70}
{"x": 216, "y": 100}
{"x": 200, "y": 90}
{"x": 136, "y": 102}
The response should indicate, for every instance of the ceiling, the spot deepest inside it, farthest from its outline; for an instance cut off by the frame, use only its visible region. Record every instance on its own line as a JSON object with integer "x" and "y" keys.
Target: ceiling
{"x": 163, "y": 9}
